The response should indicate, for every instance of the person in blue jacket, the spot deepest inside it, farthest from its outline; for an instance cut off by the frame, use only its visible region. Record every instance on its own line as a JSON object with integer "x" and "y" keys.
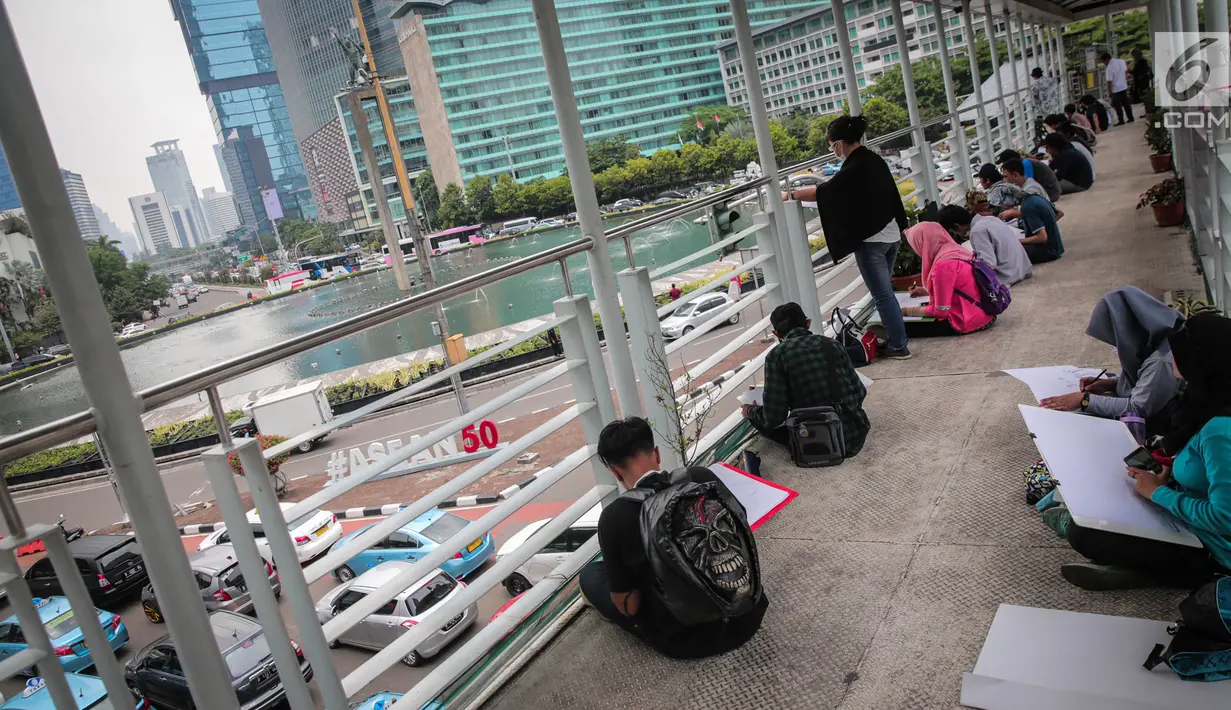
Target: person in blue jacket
{"x": 1196, "y": 487}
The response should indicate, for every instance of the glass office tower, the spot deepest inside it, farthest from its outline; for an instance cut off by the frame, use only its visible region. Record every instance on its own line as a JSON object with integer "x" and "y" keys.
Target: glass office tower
{"x": 8, "y": 191}
{"x": 235, "y": 71}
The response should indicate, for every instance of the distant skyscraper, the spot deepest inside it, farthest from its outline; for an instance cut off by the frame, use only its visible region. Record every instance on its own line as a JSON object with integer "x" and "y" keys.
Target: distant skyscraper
{"x": 220, "y": 212}
{"x": 169, "y": 171}
{"x": 222, "y": 168}
{"x": 80, "y": 200}
{"x": 8, "y": 191}
{"x": 129, "y": 243}
{"x": 235, "y": 72}
{"x": 155, "y": 226}
{"x": 249, "y": 168}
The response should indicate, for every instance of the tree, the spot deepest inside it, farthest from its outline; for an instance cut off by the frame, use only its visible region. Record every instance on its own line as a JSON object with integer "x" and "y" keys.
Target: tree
{"x": 507, "y": 197}
{"x": 29, "y": 281}
{"x": 104, "y": 242}
{"x": 884, "y": 117}
{"x": 122, "y": 305}
{"x": 479, "y": 197}
{"x": 454, "y": 211}
{"x": 786, "y": 146}
{"x": 267, "y": 272}
{"x": 818, "y": 134}
{"x": 47, "y": 318}
{"x": 797, "y": 124}
{"x": 666, "y": 169}
{"x": 426, "y": 196}
{"x": 27, "y": 339}
{"x": 608, "y": 152}
{"x": 689, "y": 131}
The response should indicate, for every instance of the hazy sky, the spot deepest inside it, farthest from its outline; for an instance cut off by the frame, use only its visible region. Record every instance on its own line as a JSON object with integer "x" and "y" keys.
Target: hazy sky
{"x": 113, "y": 77}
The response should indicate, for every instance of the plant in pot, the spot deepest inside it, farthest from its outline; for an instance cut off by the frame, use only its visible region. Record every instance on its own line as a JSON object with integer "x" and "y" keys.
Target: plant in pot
{"x": 907, "y": 269}
{"x": 1159, "y": 139}
{"x": 1167, "y": 200}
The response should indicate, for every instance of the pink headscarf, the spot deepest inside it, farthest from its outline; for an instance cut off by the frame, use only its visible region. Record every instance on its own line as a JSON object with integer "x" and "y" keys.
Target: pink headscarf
{"x": 932, "y": 243}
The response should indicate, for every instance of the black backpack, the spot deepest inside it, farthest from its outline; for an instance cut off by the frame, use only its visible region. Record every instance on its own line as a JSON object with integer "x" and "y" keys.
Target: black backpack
{"x": 1200, "y": 647}
{"x": 700, "y": 548}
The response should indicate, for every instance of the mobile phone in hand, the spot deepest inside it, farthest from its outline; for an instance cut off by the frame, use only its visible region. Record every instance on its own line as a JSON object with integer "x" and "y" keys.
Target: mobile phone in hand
{"x": 1142, "y": 459}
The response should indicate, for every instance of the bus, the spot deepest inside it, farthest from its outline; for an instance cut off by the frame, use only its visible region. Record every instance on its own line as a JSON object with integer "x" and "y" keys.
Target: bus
{"x": 326, "y": 267}
{"x": 439, "y": 241}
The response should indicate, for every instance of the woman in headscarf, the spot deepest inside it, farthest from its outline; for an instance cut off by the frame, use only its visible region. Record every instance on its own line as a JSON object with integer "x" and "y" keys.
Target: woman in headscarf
{"x": 949, "y": 281}
{"x": 1137, "y": 325}
{"x": 1195, "y": 487}
{"x": 862, "y": 214}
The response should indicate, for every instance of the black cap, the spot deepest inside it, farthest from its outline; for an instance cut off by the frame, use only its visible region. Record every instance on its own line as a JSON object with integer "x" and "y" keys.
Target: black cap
{"x": 1036, "y": 73}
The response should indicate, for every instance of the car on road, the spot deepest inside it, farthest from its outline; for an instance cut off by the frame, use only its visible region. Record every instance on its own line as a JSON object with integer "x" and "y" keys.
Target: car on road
{"x": 133, "y": 329}
{"x": 64, "y": 630}
{"x": 384, "y": 701}
{"x": 831, "y": 169}
{"x": 806, "y": 180}
{"x": 31, "y": 361}
{"x": 59, "y": 350}
{"x": 111, "y": 566}
{"x": 203, "y": 289}
{"x": 313, "y": 533}
{"x": 88, "y": 691}
{"x": 552, "y": 554}
{"x": 626, "y": 204}
{"x": 157, "y": 674}
{"x": 687, "y": 317}
{"x": 414, "y": 540}
{"x": 220, "y": 580}
{"x": 549, "y": 222}
{"x": 407, "y": 609}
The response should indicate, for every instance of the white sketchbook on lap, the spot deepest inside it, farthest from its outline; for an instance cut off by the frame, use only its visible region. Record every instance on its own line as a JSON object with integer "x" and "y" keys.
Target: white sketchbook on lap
{"x": 1086, "y": 455}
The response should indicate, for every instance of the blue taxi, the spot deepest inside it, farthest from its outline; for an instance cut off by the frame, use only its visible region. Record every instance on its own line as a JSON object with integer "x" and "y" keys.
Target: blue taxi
{"x": 414, "y": 540}
{"x": 63, "y": 629}
{"x": 88, "y": 691}
{"x": 384, "y": 701}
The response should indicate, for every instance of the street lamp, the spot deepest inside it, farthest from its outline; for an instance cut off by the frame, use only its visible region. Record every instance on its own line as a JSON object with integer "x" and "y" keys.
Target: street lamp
{"x": 508, "y": 154}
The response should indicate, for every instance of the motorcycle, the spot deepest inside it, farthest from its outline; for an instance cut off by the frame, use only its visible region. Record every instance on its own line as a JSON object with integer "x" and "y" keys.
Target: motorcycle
{"x": 70, "y": 534}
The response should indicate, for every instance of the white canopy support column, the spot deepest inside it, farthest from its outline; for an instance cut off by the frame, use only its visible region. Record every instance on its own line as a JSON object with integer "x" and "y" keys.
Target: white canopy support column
{"x": 986, "y": 151}
{"x": 1028, "y": 100}
{"x": 848, "y": 59}
{"x": 1111, "y": 35}
{"x": 1062, "y": 68}
{"x": 1018, "y": 103}
{"x": 931, "y": 190}
{"x": 989, "y": 22}
{"x": 588, "y": 214}
{"x": 1049, "y": 67}
{"x": 957, "y": 134}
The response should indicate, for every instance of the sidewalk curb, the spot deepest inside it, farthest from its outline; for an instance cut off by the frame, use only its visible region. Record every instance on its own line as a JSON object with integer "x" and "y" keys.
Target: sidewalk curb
{"x": 390, "y": 508}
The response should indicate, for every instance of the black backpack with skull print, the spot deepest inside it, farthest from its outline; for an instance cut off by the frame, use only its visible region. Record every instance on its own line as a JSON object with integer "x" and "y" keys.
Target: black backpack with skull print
{"x": 700, "y": 548}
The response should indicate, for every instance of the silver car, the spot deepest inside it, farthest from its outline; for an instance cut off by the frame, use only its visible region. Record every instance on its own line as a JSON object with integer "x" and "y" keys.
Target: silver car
{"x": 407, "y": 609}
{"x": 220, "y": 580}
{"x": 687, "y": 317}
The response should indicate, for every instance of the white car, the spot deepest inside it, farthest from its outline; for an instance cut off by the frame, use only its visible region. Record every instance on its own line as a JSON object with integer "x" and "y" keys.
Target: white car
{"x": 687, "y": 317}
{"x": 313, "y": 533}
{"x": 626, "y": 204}
{"x": 552, "y": 554}
{"x": 203, "y": 289}
{"x": 407, "y": 609}
{"x": 550, "y": 222}
{"x": 133, "y": 329}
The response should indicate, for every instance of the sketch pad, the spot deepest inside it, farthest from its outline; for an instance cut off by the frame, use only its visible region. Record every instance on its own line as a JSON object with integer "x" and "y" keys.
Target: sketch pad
{"x": 761, "y": 499}
{"x": 1053, "y": 381}
{"x": 1086, "y": 455}
{"x": 1063, "y": 660}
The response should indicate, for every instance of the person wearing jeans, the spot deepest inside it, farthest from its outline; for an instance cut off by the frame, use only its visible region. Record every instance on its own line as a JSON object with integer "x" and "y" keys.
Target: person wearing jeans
{"x": 1117, "y": 88}
{"x": 862, "y": 214}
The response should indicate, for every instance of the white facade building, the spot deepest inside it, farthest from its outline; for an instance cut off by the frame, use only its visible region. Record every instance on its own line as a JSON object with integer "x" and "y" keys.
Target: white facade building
{"x": 220, "y": 213}
{"x": 169, "y": 171}
{"x": 80, "y": 200}
{"x": 155, "y": 226}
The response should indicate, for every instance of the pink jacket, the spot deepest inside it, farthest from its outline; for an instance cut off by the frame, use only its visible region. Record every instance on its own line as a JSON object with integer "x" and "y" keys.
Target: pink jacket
{"x": 949, "y": 276}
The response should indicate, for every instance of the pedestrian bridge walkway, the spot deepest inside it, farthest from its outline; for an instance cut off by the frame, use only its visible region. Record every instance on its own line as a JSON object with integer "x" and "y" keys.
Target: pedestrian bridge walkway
{"x": 884, "y": 574}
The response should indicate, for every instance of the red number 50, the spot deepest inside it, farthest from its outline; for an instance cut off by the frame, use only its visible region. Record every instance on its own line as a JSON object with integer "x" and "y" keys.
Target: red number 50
{"x": 487, "y": 435}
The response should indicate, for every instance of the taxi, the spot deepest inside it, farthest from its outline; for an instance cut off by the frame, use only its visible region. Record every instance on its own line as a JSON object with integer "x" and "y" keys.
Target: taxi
{"x": 63, "y": 628}
{"x": 87, "y": 690}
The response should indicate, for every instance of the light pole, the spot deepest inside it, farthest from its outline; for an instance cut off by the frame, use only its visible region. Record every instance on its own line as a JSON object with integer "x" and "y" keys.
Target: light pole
{"x": 509, "y": 154}
{"x": 455, "y": 379}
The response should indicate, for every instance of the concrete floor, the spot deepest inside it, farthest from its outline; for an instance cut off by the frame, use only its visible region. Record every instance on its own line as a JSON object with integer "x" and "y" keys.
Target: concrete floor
{"x": 883, "y": 576}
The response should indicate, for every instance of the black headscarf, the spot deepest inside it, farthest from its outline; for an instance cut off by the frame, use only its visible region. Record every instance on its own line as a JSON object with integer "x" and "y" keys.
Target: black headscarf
{"x": 861, "y": 199}
{"x": 1202, "y": 351}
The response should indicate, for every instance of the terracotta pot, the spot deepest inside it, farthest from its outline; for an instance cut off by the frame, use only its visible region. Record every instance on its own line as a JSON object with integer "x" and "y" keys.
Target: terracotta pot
{"x": 1161, "y": 162}
{"x": 903, "y": 283}
{"x": 1169, "y": 215}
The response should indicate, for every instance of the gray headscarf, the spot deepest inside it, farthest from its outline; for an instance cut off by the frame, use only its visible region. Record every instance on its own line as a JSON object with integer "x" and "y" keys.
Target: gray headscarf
{"x": 1136, "y": 323}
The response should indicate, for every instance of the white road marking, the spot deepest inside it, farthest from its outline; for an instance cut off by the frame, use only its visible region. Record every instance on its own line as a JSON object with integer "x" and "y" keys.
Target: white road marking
{"x": 540, "y": 411}
{"x": 690, "y": 364}
{"x": 570, "y": 401}
{"x": 540, "y": 394}
{"x": 506, "y": 421}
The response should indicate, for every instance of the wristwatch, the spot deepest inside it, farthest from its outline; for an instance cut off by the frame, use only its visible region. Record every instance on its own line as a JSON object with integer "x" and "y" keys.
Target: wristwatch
{"x": 1085, "y": 401}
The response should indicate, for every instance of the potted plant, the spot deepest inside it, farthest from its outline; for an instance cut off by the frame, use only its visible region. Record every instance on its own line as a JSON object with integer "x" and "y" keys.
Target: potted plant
{"x": 907, "y": 269}
{"x": 1167, "y": 199}
{"x": 1159, "y": 139}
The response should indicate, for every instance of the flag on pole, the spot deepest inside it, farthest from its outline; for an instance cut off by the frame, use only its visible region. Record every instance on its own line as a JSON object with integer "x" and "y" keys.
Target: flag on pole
{"x": 716, "y": 119}
{"x": 699, "y": 126}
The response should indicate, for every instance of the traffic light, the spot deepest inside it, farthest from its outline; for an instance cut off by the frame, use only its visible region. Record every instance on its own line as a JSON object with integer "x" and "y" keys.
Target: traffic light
{"x": 723, "y": 218}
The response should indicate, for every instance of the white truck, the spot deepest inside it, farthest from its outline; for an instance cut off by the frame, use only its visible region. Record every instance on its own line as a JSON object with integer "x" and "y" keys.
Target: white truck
{"x": 181, "y": 301}
{"x": 293, "y": 411}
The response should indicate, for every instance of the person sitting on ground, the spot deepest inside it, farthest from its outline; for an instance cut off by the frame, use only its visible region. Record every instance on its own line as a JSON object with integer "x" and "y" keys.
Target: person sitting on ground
{"x": 807, "y": 370}
{"x": 1000, "y": 195}
{"x": 1137, "y": 325}
{"x": 993, "y": 241}
{"x": 1095, "y": 111}
{"x": 1196, "y": 487}
{"x": 1076, "y": 134}
{"x": 949, "y": 281}
{"x": 1013, "y": 171}
{"x": 621, "y": 586}
{"x": 1069, "y": 131}
{"x": 1036, "y": 170}
{"x": 675, "y": 293}
{"x": 1038, "y": 221}
{"x": 1078, "y": 118}
{"x": 1070, "y": 166}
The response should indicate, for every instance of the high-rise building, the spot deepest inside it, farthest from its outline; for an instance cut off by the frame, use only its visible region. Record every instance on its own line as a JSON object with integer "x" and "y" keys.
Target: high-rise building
{"x": 129, "y": 244}
{"x": 155, "y": 226}
{"x": 248, "y": 168}
{"x": 235, "y": 71}
{"x": 330, "y": 171}
{"x": 8, "y": 191}
{"x": 83, "y": 210}
{"x": 220, "y": 214}
{"x": 169, "y": 171}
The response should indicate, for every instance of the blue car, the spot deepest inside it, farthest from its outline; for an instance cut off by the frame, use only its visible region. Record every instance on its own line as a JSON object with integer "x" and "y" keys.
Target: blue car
{"x": 831, "y": 168}
{"x": 62, "y": 627}
{"x": 414, "y": 540}
{"x": 88, "y": 690}
{"x": 384, "y": 701}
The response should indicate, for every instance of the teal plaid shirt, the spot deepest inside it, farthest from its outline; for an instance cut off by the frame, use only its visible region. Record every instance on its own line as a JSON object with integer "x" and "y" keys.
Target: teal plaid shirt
{"x": 810, "y": 370}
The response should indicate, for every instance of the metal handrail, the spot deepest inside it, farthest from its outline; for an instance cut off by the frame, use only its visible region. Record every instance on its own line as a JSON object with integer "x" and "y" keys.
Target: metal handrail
{"x": 61, "y": 430}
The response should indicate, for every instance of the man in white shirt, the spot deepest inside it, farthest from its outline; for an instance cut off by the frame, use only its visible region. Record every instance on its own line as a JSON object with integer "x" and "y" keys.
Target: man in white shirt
{"x": 1117, "y": 87}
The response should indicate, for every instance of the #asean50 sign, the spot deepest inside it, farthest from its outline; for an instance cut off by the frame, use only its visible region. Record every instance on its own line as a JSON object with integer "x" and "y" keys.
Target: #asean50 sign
{"x": 478, "y": 441}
